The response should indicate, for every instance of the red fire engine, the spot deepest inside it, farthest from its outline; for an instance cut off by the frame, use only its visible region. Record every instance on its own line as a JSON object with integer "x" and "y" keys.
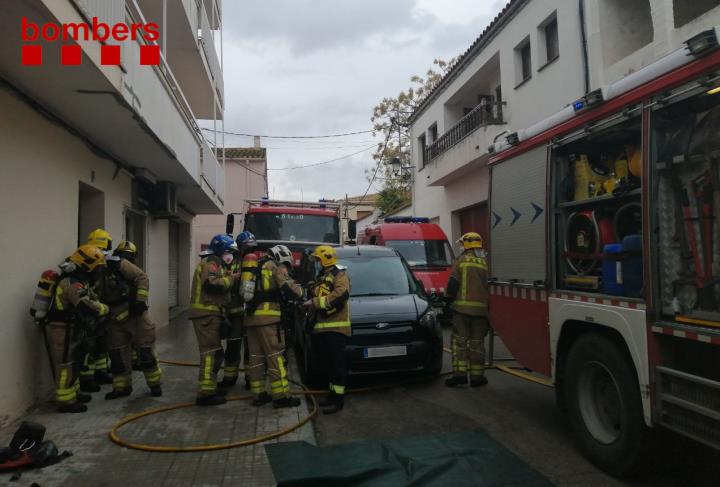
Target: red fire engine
{"x": 605, "y": 268}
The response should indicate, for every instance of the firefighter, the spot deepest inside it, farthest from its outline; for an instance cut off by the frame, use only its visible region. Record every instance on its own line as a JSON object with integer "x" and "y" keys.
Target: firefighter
{"x": 97, "y": 370}
{"x": 262, "y": 323}
{"x": 332, "y": 326}
{"x": 125, "y": 289}
{"x": 73, "y": 314}
{"x": 235, "y": 311}
{"x": 468, "y": 295}
{"x": 211, "y": 286}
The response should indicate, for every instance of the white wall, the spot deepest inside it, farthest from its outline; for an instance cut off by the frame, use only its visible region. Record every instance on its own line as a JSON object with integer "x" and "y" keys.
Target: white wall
{"x": 41, "y": 168}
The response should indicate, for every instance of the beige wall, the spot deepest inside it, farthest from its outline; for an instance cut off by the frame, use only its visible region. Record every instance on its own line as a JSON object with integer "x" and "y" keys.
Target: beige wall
{"x": 241, "y": 184}
{"x": 41, "y": 168}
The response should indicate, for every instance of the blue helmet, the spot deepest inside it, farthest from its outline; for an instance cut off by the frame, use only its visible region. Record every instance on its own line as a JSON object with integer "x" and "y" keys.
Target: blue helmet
{"x": 246, "y": 239}
{"x": 222, "y": 243}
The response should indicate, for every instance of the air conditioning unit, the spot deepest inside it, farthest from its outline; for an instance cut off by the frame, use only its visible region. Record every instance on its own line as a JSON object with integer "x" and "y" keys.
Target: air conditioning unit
{"x": 160, "y": 199}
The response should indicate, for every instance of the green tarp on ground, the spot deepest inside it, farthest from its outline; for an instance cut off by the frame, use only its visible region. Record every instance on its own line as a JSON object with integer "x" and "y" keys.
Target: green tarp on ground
{"x": 453, "y": 459}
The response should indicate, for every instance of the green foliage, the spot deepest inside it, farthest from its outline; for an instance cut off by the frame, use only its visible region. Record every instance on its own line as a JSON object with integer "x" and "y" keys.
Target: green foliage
{"x": 391, "y": 199}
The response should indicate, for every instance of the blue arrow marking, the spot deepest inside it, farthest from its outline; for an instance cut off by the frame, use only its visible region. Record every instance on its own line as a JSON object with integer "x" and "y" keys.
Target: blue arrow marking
{"x": 538, "y": 211}
{"x": 498, "y": 218}
{"x": 516, "y": 215}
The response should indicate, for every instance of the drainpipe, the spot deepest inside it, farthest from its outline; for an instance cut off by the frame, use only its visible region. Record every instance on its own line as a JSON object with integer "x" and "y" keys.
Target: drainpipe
{"x": 583, "y": 36}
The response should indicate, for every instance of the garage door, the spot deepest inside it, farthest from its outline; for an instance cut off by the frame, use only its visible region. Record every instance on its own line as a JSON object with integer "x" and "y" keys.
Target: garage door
{"x": 475, "y": 219}
{"x": 173, "y": 265}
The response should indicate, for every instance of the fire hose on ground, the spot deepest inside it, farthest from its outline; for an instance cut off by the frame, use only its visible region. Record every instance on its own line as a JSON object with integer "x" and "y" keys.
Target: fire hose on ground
{"x": 303, "y": 391}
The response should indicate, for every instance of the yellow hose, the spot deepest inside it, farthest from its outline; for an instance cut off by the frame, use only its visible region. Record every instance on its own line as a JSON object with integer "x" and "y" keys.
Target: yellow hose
{"x": 115, "y": 438}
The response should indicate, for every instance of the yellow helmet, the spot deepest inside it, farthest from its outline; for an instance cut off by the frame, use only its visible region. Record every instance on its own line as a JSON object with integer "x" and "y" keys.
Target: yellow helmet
{"x": 326, "y": 255}
{"x": 88, "y": 257}
{"x": 126, "y": 246}
{"x": 472, "y": 240}
{"x": 100, "y": 239}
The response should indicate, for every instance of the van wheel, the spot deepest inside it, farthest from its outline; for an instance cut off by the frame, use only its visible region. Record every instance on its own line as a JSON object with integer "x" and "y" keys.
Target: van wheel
{"x": 604, "y": 405}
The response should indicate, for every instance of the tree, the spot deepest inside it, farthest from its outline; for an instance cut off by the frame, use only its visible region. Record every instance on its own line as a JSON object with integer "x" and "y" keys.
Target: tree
{"x": 391, "y": 118}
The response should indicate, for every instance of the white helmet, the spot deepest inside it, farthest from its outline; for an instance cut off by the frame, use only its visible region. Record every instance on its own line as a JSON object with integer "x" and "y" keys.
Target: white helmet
{"x": 281, "y": 254}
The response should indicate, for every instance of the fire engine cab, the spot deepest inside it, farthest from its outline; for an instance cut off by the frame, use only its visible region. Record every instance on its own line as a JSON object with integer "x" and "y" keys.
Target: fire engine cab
{"x": 605, "y": 271}
{"x": 423, "y": 245}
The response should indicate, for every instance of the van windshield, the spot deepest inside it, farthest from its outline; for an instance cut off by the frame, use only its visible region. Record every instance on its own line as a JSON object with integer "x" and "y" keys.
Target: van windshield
{"x": 424, "y": 253}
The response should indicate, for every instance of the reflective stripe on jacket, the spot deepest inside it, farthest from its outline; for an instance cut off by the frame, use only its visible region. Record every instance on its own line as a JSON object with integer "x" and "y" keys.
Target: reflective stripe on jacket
{"x": 273, "y": 280}
{"x": 470, "y": 273}
{"x": 332, "y": 302}
{"x": 210, "y": 287}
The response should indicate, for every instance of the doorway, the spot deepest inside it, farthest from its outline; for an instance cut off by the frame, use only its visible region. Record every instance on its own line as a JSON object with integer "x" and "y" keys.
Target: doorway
{"x": 136, "y": 232}
{"x": 91, "y": 211}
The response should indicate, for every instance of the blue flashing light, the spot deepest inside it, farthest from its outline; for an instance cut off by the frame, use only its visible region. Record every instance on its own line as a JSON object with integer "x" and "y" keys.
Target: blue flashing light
{"x": 264, "y": 200}
{"x": 322, "y": 202}
{"x": 579, "y": 105}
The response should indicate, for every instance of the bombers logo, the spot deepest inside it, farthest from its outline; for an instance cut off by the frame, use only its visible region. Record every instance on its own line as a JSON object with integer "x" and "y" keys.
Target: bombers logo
{"x": 71, "y": 54}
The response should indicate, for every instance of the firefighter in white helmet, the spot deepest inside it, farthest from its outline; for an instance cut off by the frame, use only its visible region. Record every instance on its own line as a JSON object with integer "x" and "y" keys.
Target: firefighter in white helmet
{"x": 262, "y": 323}
{"x": 467, "y": 291}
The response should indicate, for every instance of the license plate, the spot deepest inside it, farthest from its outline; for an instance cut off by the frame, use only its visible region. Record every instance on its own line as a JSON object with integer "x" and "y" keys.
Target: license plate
{"x": 374, "y": 352}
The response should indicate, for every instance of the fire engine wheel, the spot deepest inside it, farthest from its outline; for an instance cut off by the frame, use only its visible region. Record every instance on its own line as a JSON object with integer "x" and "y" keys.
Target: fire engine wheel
{"x": 604, "y": 404}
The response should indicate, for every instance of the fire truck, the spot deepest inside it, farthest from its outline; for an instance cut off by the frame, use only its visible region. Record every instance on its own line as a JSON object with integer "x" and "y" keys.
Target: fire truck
{"x": 298, "y": 225}
{"x": 605, "y": 268}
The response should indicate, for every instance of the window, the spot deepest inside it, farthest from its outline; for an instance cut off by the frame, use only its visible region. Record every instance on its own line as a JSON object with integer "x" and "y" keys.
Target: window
{"x": 685, "y": 11}
{"x": 523, "y": 62}
{"x": 433, "y": 131}
{"x": 293, "y": 227}
{"x": 424, "y": 253}
{"x": 422, "y": 148}
{"x": 377, "y": 276}
{"x": 548, "y": 38}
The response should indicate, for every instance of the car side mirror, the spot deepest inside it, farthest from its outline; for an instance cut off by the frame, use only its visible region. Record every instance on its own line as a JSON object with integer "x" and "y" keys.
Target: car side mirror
{"x": 230, "y": 224}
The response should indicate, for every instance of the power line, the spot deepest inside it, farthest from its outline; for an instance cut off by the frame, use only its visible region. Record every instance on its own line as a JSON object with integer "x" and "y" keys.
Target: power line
{"x": 377, "y": 167}
{"x": 291, "y": 136}
{"x": 290, "y": 168}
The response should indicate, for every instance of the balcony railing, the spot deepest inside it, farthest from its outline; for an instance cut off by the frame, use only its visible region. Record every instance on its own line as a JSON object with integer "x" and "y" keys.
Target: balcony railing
{"x": 207, "y": 41}
{"x": 480, "y": 116}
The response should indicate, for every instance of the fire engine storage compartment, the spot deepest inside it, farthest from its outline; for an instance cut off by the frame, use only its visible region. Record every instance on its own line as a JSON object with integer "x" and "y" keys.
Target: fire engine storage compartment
{"x": 597, "y": 224}
{"x": 685, "y": 172}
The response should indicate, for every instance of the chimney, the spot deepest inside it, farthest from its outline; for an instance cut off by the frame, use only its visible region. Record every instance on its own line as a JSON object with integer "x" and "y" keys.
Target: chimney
{"x": 257, "y": 141}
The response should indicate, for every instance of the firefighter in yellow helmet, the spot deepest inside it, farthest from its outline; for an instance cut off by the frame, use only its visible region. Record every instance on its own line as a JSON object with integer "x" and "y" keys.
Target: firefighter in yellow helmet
{"x": 468, "y": 292}
{"x": 273, "y": 284}
{"x": 73, "y": 315}
{"x": 97, "y": 370}
{"x": 125, "y": 288}
{"x": 330, "y": 302}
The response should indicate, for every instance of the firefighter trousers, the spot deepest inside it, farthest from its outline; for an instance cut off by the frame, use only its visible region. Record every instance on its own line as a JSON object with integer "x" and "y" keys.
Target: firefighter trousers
{"x": 207, "y": 330}
{"x": 331, "y": 350}
{"x": 468, "y": 345}
{"x": 66, "y": 362}
{"x": 136, "y": 332}
{"x": 96, "y": 359}
{"x": 233, "y": 347}
{"x": 266, "y": 359}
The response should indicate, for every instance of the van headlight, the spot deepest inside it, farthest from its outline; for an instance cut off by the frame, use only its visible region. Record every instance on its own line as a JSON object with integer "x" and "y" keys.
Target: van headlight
{"x": 429, "y": 319}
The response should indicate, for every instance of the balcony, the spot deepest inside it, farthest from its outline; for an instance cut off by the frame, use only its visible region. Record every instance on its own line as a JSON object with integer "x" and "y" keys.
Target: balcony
{"x": 189, "y": 49}
{"x": 464, "y": 145}
{"x": 135, "y": 116}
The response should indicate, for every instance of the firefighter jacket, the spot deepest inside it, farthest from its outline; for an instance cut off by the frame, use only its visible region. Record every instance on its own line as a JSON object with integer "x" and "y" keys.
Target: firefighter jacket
{"x": 234, "y": 305}
{"x": 272, "y": 282}
{"x": 467, "y": 287}
{"x": 75, "y": 303}
{"x": 211, "y": 285}
{"x": 331, "y": 300}
{"x": 122, "y": 283}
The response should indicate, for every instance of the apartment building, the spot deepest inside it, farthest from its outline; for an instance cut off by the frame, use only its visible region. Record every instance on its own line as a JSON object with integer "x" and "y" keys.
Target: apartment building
{"x": 88, "y": 142}
{"x": 534, "y": 58}
{"x": 245, "y": 178}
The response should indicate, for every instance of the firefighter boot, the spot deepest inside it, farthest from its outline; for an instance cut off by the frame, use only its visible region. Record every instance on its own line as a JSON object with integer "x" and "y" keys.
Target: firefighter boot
{"x": 338, "y": 402}
{"x": 117, "y": 393}
{"x": 328, "y": 400}
{"x": 213, "y": 400}
{"x": 456, "y": 381}
{"x": 478, "y": 381}
{"x": 83, "y": 398}
{"x": 286, "y": 402}
{"x": 262, "y": 398}
{"x": 228, "y": 382}
{"x": 103, "y": 377}
{"x": 156, "y": 391}
{"x": 88, "y": 384}
{"x": 75, "y": 407}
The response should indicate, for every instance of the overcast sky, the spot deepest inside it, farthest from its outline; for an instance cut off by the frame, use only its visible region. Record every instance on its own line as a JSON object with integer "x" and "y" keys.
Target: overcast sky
{"x": 314, "y": 67}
